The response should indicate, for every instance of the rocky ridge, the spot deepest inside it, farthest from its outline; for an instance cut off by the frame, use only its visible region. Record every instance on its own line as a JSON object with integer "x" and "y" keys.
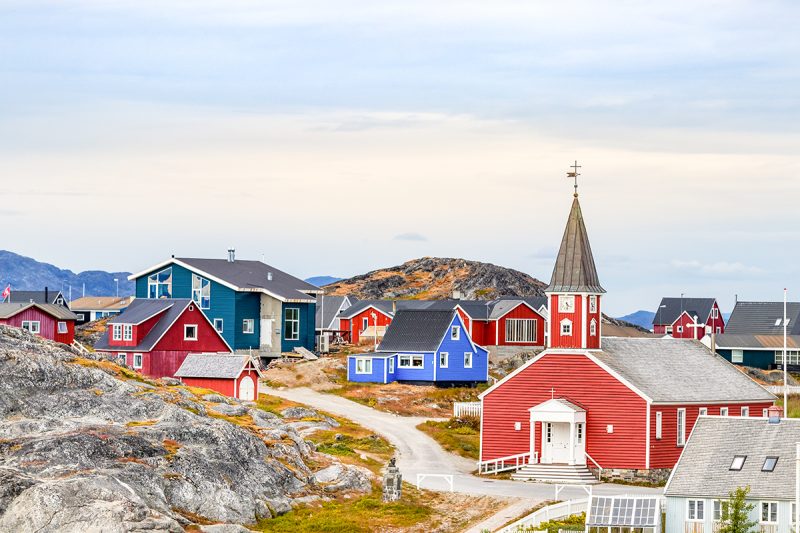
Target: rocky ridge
{"x": 86, "y": 445}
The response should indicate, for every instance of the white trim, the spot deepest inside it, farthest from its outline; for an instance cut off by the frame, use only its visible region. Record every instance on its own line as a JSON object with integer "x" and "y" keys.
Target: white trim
{"x": 252, "y": 322}
{"x": 471, "y": 355}
{"x": 370, "y": 306}
{"x": 446, "y": 359}
{"x": 169, "y": 327}
{"x": 214, "y": 325}
{"x": 647, "y": 441}
{"x": 196, "y": 332}
{"x": 133, "y": 360}
{"x": 456, "y": 330}
{"x": 584, "y": 322}
{"x": 412, "y": 355}
{"x": 659, "y": 425}
{"x": 60, "y": 323}
{"x": 566, "y": 321}
{"x": 680, "y": 429}
{"x": 364, "y": 360}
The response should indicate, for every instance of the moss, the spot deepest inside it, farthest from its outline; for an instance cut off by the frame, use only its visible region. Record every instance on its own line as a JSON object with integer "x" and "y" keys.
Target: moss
{"x": 137, "y": 423}
{"x": 172, "y": 448}
{"x": 457, "y": 435}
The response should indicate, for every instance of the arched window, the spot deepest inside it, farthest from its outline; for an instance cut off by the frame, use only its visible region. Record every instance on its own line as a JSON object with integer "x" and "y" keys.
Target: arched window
{"x": 566, "y": 327}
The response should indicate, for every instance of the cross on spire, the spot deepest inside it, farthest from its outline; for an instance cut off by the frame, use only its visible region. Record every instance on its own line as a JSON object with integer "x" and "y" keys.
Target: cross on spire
{"x": 552, "y": 393}
{"x": 574, "y": 174}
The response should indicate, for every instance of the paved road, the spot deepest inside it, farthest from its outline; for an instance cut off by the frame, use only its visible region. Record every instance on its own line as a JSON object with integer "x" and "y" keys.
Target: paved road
{"x": 419, "y": 453}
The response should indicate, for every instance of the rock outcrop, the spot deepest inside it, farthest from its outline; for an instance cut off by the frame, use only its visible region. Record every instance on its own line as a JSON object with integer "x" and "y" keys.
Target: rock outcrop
{"x": 86, "y": 445}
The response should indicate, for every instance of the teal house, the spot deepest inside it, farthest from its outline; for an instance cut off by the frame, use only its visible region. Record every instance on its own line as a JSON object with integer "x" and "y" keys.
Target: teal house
{"x": 253, "y": 305}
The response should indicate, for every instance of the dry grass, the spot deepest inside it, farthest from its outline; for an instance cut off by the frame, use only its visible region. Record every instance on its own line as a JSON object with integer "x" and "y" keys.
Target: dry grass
{"x": 457, "y": 435}
{"x": 172, "y": 448}
{"x": 137, "y": 423}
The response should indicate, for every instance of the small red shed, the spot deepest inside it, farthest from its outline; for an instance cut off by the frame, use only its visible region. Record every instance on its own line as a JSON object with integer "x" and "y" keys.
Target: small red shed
{"x": 50, "y": 321}
{"x": 232, "y": 375}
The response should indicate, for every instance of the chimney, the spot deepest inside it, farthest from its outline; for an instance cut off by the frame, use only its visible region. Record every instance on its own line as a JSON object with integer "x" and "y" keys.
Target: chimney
{"x": 231, "y": 255}
{"x": 269, "y": 276}
{"x": 775, "y": 413}
{"x": 46, "y": 299}
{"x": 394, "y": 307}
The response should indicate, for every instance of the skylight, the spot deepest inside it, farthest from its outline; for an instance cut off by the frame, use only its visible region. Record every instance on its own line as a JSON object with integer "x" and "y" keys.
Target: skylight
{"x": 738, "y": 462}
{"x": 769, "y": 464}
{"x": 778, "y": 322}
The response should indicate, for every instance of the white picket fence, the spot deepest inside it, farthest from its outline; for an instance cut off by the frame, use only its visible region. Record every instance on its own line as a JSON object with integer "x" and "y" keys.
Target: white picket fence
{"x": 557, "y": 510}
{"x": 778, "y": 389}
{"x": 466, "y": 409}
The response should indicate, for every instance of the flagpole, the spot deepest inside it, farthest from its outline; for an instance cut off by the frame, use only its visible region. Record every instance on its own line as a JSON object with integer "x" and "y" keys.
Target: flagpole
{"x": 785, "y": 363}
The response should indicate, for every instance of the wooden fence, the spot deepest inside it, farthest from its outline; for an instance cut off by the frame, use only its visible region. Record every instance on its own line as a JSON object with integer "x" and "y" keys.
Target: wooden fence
{"x": 468, "y": 409}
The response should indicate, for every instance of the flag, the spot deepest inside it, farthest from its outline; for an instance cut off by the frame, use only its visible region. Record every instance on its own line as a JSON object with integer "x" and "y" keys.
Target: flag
{"x": 6, "y": 292}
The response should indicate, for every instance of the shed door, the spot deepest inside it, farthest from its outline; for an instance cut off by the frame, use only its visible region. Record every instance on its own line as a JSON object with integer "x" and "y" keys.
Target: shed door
{"x": 247, "y": 389}
{"x": 266, "y": 333}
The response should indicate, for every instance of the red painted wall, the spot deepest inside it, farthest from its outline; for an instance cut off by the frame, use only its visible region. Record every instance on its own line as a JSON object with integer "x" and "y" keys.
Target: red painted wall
{"x": 717, "y": 322}
{"x": 222, "y": 386}
{"x": 248, "y": 371}
{"x": 208, "y": 340}
{"x": 524, "y": 312}
{"x": 593, "y": 342}
{"x": 556, "y": 339}
{"x": 48, "y": 324}
{"x": 356, "y": 324}
{"x": 606, "y": 400}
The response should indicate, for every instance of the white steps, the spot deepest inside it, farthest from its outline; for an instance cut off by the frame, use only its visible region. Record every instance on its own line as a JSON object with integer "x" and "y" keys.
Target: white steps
{"x": 558, "y": 473}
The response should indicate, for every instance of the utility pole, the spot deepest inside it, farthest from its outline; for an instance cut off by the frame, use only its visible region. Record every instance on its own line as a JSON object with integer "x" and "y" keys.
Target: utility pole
{"x": 785, "y": 363}
{"x": 375, "y": 320}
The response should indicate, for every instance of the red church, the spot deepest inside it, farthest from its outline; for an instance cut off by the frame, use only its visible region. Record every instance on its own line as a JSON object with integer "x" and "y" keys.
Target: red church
{"x": 591, "y": 406}
{"x": 154, "y": 336}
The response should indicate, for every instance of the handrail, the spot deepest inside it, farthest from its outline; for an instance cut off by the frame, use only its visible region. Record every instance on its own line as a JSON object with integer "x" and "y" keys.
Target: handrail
{"x": 596, "y": 464}
{"x": 515, "y": 463}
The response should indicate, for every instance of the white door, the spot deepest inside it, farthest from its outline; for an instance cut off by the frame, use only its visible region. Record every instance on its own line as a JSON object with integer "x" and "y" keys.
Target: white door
{"x": 555, "y": 442}
{"x": 247, "y": 389}
{"x": 266, "y": 332}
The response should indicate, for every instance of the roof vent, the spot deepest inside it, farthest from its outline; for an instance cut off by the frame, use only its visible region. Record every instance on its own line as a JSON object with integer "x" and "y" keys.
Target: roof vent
{"x": 269, "y": 276}
{"x": 774, "y": 413}
{"x": 231, "y": 255}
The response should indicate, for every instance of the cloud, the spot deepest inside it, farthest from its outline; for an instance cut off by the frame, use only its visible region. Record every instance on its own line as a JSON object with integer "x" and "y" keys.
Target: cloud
{"x": 716, "y": 268}
{"x": 410, "y": 236}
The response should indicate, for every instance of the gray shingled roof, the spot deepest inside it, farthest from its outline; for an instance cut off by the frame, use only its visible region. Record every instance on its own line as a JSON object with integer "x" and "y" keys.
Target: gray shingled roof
{"x": 201, "y": 365}
{"x": 388, "y": 306}
{"x": 764, "y": 342}
{"x": 760, "y": 318}
{"x": 170, "y": 311}
{"x": 704, "y": 467}
{"x": 35, "y": 297}
{"x": 416, "y": 331}
{"x": 575, "y": 270}
{"x": 676, "y": 370}
{"x": 332, "y": 306}
{"x": 60, "y": 312}
{"x": 254, "y": 275}
{"x": 700, "y": 307}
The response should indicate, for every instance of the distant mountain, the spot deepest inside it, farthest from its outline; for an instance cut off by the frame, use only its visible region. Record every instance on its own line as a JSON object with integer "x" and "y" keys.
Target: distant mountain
{"x": 319, "y": 281}
{"x": 439, "y": 278}
{"x": 27, "y": 274}
{"x": 640, "y": 318}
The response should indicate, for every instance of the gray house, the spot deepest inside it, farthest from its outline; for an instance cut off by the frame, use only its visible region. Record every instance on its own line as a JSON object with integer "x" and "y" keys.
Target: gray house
{"x": 724, "y": 453}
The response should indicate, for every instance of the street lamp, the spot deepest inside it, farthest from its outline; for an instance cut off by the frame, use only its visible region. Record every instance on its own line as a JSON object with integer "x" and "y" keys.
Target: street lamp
{"x": 660, "y": 307}
{"x": 374, "y": 316}
{"x": 116, "y": 280}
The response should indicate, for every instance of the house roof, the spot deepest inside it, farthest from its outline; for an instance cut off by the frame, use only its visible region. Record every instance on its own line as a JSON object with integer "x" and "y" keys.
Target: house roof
{"x": 494, "y": 309}
{"x": 416, "y": 331}
{"x": 333, "y": 304}
{"x": 143, "y": 309}
{"x": 7, "y": 310}
{"x": 100, "y": 303}
{"x": 575, "y": 270}
{"x": 765, "y": 342}
{"x": 671, "y": 370}
{"x": 34, "y": 296}
{"x": 763, "y": 318}
{"x": 704, "y": 467}
{"x": 674, "y": 307}
{"x": 203, "y": 365}
{"x": 389, "y": 306}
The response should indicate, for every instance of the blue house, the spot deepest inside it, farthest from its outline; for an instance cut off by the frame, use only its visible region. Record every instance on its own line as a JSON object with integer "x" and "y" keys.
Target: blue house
{"x": 423, "y": 346}
{"x": 253, "y": 305}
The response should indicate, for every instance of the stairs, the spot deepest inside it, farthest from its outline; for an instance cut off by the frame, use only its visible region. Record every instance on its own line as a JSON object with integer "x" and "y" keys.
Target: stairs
{"x": 557, "y": 473}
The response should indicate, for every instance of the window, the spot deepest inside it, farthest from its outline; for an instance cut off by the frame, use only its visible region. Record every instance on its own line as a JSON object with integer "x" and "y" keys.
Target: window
{"x": 792, "y": 357}
{"x": 681, "y": 427}
{"x": 765, "y": 413}
{"x": 137, "y": 360}
{"x": 723, "y": 411}
{"x": 680, "y": 329}
{"x": 80, "y": 316}
{"x": 122, "y": 359}
{"x": 248, "y": 325}
{"x": 668, "y": 330}
{"x": 737, "y": 356}
{"x": 566, "y": 303}
{"x": 719, "y": 330}
{"x": 566, "y": 327}
{"x": 703, "y": 411}
{"x": 720, "y": 509}
{"x": 548, "y": 437}
{"x": 658, "y": 425}
{"x": 592, "y": 304}
{"x": 769, "y": 464}
{"x": 364, "y": 323}
{"x": 778, "y": 322}
{"x": 31, "y": 325}
{"x": 467, "y": 359}
{"x": 593, "y": 328}
{"x": 714, "y": 312}
{"x": 410, "y": 361}
{"x": 443, "y": 359}
{"x": 579, "y": 433}
{"x": 159, "y": 285}
{"x": 695, "y": 510}
{"x": 219, "y": 325}
{"x": 291, "y": 327}
{"x": 201, "y": 291}
{"x": 116, "y": 332}
{"x": 745, "y": 411}
{"x": 769, "y": 512}
{"x": 127, "y": 332}
{"x": 190, "y": 332}
{"x": 391, "y": 365}
{"x": 521, "y": 330}
{"x": 738, "y": 462}
{"x": 455, "y": 333}
{"x": 363, "y": 365}
{"x": 60, "y": 300}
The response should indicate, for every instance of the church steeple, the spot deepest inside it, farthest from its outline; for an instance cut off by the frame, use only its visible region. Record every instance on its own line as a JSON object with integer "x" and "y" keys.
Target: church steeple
{"x": 574, "y": 292}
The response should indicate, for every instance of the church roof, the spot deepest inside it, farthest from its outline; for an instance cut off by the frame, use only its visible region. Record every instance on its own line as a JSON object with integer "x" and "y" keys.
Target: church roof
{"x": 575, "y": 270}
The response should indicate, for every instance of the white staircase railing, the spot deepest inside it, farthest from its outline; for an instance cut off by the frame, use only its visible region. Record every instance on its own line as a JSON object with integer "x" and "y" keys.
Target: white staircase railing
{"x": 599, "y": 468}
{"x": 557, "y": 510}
{"x": 510, "y": 462}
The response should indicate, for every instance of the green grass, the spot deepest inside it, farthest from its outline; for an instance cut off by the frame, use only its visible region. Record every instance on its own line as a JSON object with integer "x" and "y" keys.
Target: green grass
{"x": 457, "y": 435}
{"x": 794, "y": 405}
{"x": 575, "y": 522}
{"x": 362, "y": 515}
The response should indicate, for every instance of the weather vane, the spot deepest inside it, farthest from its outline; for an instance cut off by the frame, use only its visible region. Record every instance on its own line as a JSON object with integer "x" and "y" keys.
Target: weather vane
{"x": 574, "y": 174}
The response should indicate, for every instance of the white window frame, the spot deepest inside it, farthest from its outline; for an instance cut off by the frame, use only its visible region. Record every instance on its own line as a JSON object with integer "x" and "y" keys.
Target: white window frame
{"x": 116, "y": 332}
{"x": 579, "y": 433}
{"x": 592, "y": 303}
{"x": 659, "y": 424}
{"x": 152, "y": 281}
{"x": 467, "y": 359}
{"x": 391, "y": 365}
{"x": 365, "y": 323}
{"x": 566, "y": 327}
{"x": 221, "y": 327}
{"x": 122, "y": 358}
{"x": 455, "y": 333}
{"x": 62, "y": 328}
{"x": 679, "y": 329}
{"x": 668, "y": 330}
{"x": 363, "y": 365}
{"x": 248, "y": 326}
{"x": 186, "y": 336}
{"x": 411, "y": 357}
{"x": 566, "y": 303}
{"x": 765, "y": 413}
{"x": 723, "y": 411}
{"x": 681, "y": 426}
{"x": 198, "y": 290}
{"x": 703, "y": 411}
{"x": 522, "y": 330}
{"x": 127, "y": 332}
{"x": 737, "y": 356}
{"x": 444, "y": 358}
{"x": 699, "y": 510}
{"x": 714, "y": 313}
{"x": 745, "y": 411}
{"x": 80, "y": 316}
{"x": 141, "y": 360}
{"x": 293, "y": 320}
{"x": 719, "y": 505}
{"x": 593, "y": 328}
{"x": 772, "y": 509}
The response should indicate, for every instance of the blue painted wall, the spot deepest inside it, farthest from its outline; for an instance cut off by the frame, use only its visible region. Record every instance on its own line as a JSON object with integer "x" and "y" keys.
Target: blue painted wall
{"x": 455, "y": 371}
{"x": 763, "y": 359}
{"x": 377, "y": 371}
{"x": 415, "y": 374}
{"x": 307, "y": 318}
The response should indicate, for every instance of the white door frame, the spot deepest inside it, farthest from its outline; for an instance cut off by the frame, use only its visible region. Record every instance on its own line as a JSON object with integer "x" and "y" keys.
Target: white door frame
{"x": 559, "y": 411}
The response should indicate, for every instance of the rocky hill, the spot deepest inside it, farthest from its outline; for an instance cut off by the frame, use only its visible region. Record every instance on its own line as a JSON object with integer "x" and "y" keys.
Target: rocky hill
{"x": 86, "y": 445}
{"x": 438, "y": 278}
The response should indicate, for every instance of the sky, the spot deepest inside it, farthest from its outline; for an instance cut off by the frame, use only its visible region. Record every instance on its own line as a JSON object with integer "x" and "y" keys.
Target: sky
{"x": 336, "y": 137}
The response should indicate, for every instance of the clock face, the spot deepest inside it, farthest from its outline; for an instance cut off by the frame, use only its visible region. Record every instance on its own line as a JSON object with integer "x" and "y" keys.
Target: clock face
{"x": 566, "y": 304}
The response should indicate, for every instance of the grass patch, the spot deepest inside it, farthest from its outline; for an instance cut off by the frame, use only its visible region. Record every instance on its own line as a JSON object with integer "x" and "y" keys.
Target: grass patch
{"x": 529, "y": 511}
{"x": 113, "y": 369}
{"x": 274, "y": 404}
{"x": 362, "y": 515}
{"x": 576, "y": 522}
{"x": 457, "y": 435}
{"x": 356, "y": 445}
{"x": 793, "y": 410}
{"x": 172, "y": 448}
{"x": 137, "y": 423}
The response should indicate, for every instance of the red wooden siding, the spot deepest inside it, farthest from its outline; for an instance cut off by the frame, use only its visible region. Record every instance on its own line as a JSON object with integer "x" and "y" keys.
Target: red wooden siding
{"x": 357, "y": 322}
{"x": 718, "y": 322}
{"x": 248, "y": 371}
{"x": 48, "y": 324}
{"x": 524, "y": 312}
{"x": 593, "y": 342}
{"x": 222, "y": 386}
{"x": 567, "y": 341}
{"x": 69, "y": 336}
{"x": 208, "y": 340}
{"x": 606, "y": 400}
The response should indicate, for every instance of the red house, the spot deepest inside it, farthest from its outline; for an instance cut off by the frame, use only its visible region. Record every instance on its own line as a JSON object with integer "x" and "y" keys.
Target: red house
{"x": 615, "y": 406}
{"x": 232, "y": 375}
{"x": 688, "y": 318}
{"x": 513, "y": 322}
{"x": 50, "y": 321}
{"x": 154, "y": 336}
{"x": 361, "y": 319}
